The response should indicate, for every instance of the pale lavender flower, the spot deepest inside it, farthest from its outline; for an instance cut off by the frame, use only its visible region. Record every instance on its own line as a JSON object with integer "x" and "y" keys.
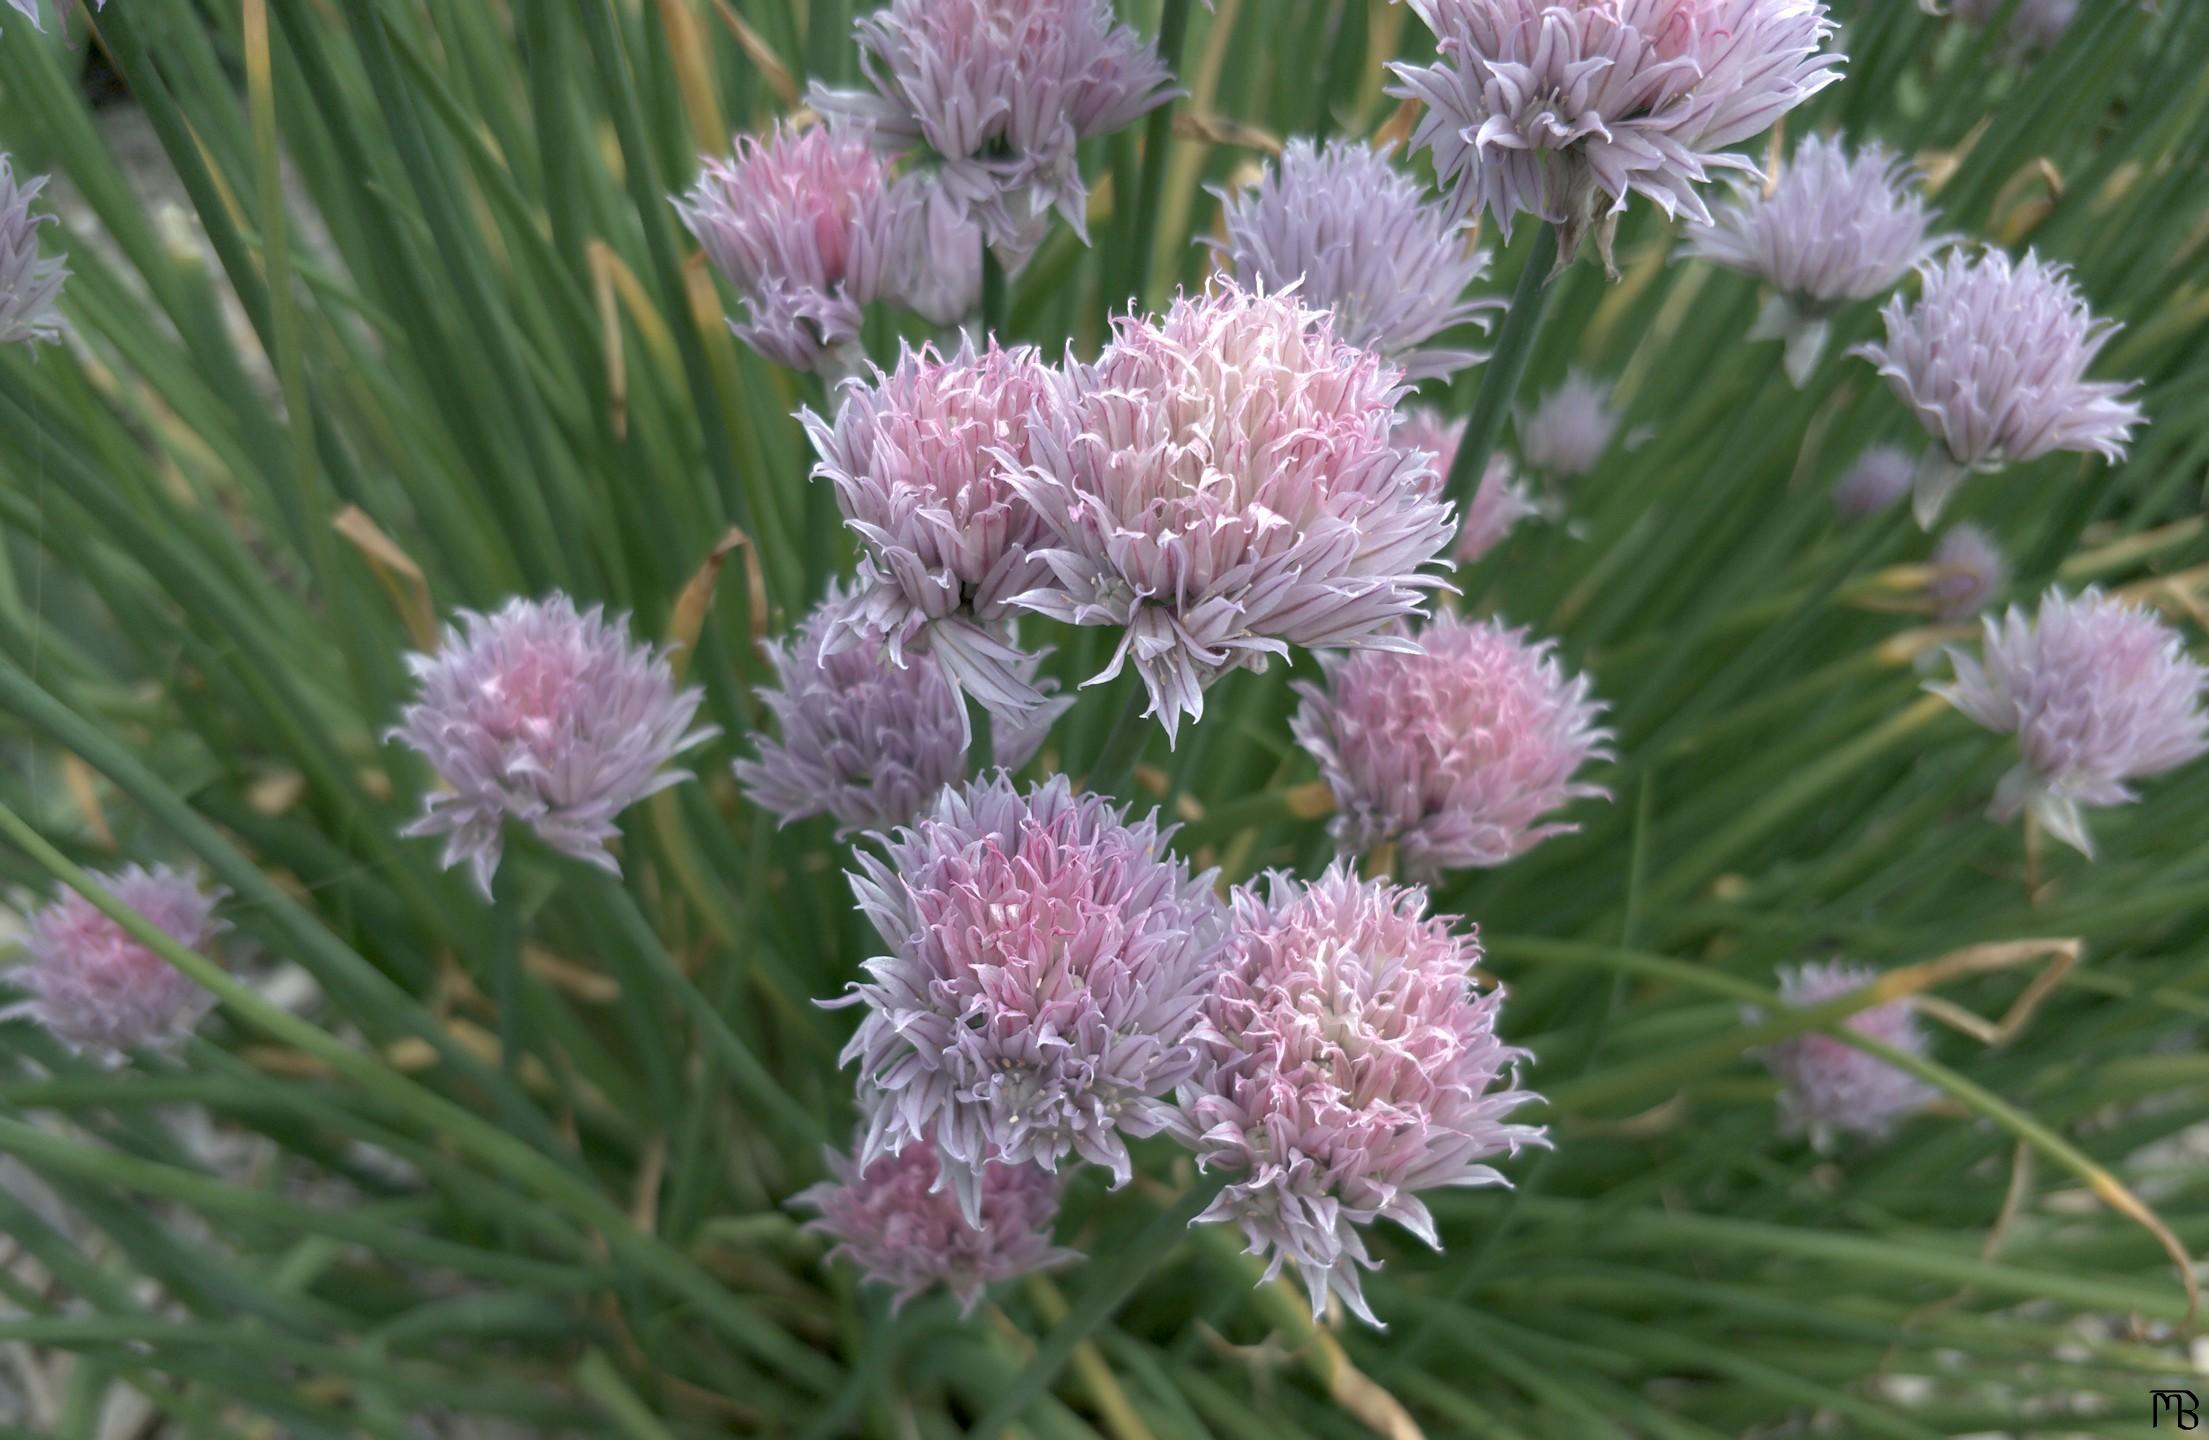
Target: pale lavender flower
{"x": 1361, "y": 238}
{"x": 1828, "y": 1085}
{"x": 2099, "y": 694}
{"x": 809, "y": 228}
{"x": 1993, "y": 359}
{"x": 889, "y": 1217}
{"x": 1969, "y": 571}
{"x": 2034, "y": 24}
{"x": 1878, "y": 478}
{"x": 939, "y": 270}
{"x": 549, "y": 717}
{"x": 1350, "y": 1062}
{"x": 1499, "y": 503}
{"x": 1046, "y": 961}
{"x": 99, "y": 989}
{"x": 1835, "y": 228}
{"x": 1570, "y": 430}
{"x": 924, "y": 462}
{"x": 1227, "y": 483}
{"x": 862, "y": 739}
{"x": 1000, "y": 92}
{"x": 1454, "y": 755}
{"x": 1560, "y": 109}
{"x": 29, "y": 281}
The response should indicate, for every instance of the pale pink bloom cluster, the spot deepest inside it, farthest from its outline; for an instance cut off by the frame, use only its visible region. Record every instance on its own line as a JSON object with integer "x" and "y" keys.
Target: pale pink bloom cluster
{"x": 1969, "y": 571}
{"x": 1226, "y": 483}
{"x": 547, "y": 716}
{"x": 99, "y": 989}
{"x": 1361, "y": 238}
{"x": 1993, "y": 359}
{"x": 1350, "y": 1061}
{"x": 926, "y": 461}
{"x": 1046, "y": 958}
{"x": 1570, "y": 429}
{"x": 1560, "y": 109}
{"x": 1873, "y": 482}
{"x": 29, "y": 281}
{"x": 1000, "y": 93}
{"x": 891, "y": 1218}
{"x": 1828, "y": 1086}
{"x": 1455, "y": 754}
{"x": 2099, "y": 694}
{"x": 862, "y": 739}
{"x": 1499, "y": 503}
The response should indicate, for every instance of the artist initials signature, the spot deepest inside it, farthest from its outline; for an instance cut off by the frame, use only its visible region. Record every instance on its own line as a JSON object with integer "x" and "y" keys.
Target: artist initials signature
{"x": 2180, "y": 1405}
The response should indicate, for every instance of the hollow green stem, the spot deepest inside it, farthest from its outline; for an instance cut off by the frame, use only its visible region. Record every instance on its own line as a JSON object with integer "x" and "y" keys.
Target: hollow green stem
{"x": 1499, "y": 378}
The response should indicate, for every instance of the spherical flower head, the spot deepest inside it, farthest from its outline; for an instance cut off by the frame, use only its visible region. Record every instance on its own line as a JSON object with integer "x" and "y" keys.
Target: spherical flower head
{"x": 1828, "y": 1085}
{"x": 29, "y": 282}
{"x": 1570, "y": 430}
{"x": 2034, "y": 24}
{"x": 1362, "y": 239}
{"x": 1456, "y": 754}
{"x": 1969, "y": 571}
{"x": 1499, "y": 503}
{"x": 1000, "y": 92}
{"x": 96, "y": 987}
{"x": 1561, "y": 109}
{"x": 549, "y": 717}
{"x": 1878, "y": 478}
{"x": 890, "y": 1218}
{"x": 1227, "y": 483}
{"x": 808, "y": 226}
{"x": 1993, "y": 359}
{"x": 1350, "y": 1062}
{"x": 1046, "y": 960}
{"x": 2099, "y": 694}
{"x": 1834, "y": 228}
{"x": 864, "y": 740}
{"x": 924, "y": 461}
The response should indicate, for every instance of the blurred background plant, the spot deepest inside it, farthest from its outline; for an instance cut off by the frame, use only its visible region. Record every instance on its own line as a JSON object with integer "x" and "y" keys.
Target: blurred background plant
{"x": 376, "y": 310}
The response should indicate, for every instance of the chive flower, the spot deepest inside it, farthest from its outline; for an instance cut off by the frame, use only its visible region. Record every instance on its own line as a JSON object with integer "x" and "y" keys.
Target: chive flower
{"x": 1829, "y": 1087}
{"x": 1500, "y": 501}
{"x": 96, "y": 987}
{"x": 1570, "y": 429}
{"x": 1968, "y": 572}
{"x": 29, "y": 281}
{"x": 1874, "y": 481}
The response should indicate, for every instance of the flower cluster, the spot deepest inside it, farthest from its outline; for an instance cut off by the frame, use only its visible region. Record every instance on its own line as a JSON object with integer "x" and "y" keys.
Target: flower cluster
{"x": 1875, "y": 480}
{"x": 1499, "y": 502}
{"x": 1361, "y": 238}
{"x": 96, "y": 987}
{"x": 548, "y": 716}
{"x": 29, "y": 281}
{"x": 1570, "y": 430}
{"x": 1968, "y": 572}
{"x": 1828, "y": 1085}
{"x": 1349, "y": 1063}
{"x": 2099, "y": 694}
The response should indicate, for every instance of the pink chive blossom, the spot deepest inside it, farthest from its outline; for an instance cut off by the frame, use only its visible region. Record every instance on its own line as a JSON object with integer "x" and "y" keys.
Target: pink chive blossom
{"x": 1560, "y": 109}
{"x": 863, "y": 740}
{"x": 96, "y": 987}
{"x": 2099, "y": 694}
{"x": 1227, "y": 483}
{"x": 890, "y": 1218}
{"x": 1968, "y": 572}
{"x": 2034, "y": 24}
{"x": 1046, "y": 957}
{"x": 924, "y": 460}
{"x": 1350, "y": 1061}
{"x": 1876, "y": 480}
{"x": 549, "y": 717}
{"x": 999, "y": 93}
{"x": 809, "y": 227}
{"x": 1360, "y": 238}
{"x": 1828, "y": 1085}
{"x": 1993, "y": 359}
{"x": 1499, "y": 503}
{"x": 1570, "y": 430}
{"x": 29, "y": 281}
{"x": 939, "y": 273}
{"x": 1454, "y": 755}
{"x": 1835, "y": 228}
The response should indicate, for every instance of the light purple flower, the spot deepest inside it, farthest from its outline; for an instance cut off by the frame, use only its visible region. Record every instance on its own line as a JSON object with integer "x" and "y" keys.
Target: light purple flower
{"x": 2034, "y": 24}
{"x": 1570, "y": 430}
{"x": 1878, "y": 478}
{"x": 939, "y": 270}
{"x": 1969, "y": 571}
{"x": 809, "y": 228}
{"x": 1560, "y": 109}
{"x": 2099, "y": 694}
{"x": 1828, "y": 1085}
{"x": 1000, "y": 92}
{"x": 1360, "y": 238}
{"x": 1350, "y": 1062}
{"x": 549, "y": 717}
{"x": 1834, "y": 229}
{"x": 1046, "y": 960}
{"x": 1227, "y": 483}
{"x": 1500, "y": 502}
{"x": 891, "y": 1218}
{"x": 1993, "y": 359}
{"x": 1454, "y": 755}
{"x": 99, "y": 989}
{"x": 29, "y": 282}
{"x": 924, "y": 462}
{"x": 864, "y": 740}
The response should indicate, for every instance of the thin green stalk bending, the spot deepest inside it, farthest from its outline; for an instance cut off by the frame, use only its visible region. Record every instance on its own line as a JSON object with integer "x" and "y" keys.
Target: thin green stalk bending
{"x": 1499, "y": 378}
